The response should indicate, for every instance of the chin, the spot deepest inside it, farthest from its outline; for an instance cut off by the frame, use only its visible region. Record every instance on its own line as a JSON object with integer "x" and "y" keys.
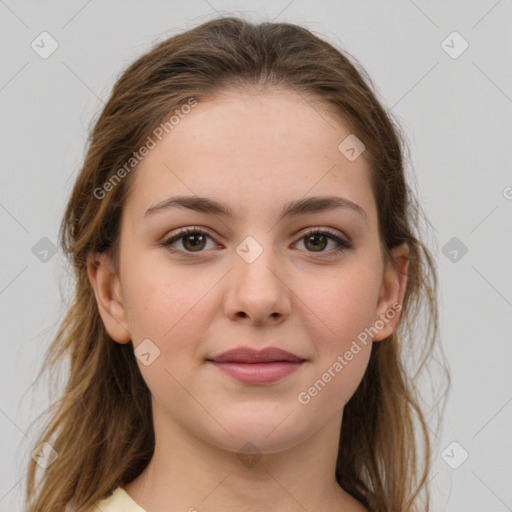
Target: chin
{"x": 263, "y": 435}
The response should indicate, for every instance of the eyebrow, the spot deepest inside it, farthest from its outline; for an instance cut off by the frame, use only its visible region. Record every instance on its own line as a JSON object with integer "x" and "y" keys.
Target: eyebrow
{"x": 307, "y": 205}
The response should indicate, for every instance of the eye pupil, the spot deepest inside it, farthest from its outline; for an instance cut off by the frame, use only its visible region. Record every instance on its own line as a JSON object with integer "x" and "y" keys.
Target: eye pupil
{"x": 196, "y": 239}
{"x": 314, "y": 238}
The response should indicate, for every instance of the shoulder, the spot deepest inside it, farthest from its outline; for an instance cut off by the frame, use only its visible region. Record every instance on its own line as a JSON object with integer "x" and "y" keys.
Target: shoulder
{"x": 118, "y": 501}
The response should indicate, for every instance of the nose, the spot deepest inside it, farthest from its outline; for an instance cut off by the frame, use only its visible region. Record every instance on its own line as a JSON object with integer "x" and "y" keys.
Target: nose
{"x": 258, "y": 291}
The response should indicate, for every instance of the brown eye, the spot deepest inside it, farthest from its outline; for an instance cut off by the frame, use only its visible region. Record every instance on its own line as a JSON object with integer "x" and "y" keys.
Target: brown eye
{"x": 316, "y": 242}
{"x": 192, "y": 240}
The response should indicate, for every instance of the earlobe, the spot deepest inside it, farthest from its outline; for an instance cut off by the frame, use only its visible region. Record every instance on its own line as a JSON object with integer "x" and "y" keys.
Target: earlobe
{"x": 107, "y": 290}
{"x": 394, "y": 285}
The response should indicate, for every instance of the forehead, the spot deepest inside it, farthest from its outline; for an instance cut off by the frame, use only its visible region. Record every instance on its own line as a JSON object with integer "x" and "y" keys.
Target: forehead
{"x": 254, "y": 152}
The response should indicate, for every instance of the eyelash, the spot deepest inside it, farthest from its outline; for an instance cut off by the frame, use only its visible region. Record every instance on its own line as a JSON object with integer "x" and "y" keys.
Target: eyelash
{"x": 343, "y": 244}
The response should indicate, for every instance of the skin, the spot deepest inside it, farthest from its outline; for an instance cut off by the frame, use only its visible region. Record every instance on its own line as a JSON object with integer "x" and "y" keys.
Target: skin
{"x": 254, "y": 152}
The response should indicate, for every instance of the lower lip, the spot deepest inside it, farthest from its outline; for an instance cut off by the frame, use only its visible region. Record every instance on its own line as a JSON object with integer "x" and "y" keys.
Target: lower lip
{"x": 258, "y": 373}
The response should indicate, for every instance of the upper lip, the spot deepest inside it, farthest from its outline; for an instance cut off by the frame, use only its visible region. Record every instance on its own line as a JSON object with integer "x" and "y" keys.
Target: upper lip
{"x": 249, "y": 355}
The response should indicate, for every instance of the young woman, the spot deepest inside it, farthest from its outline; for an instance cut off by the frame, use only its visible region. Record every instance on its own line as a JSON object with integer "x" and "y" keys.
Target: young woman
{"x": 248, "y": 275}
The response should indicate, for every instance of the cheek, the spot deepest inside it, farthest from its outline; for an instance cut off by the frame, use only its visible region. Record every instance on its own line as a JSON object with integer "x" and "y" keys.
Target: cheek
{"x": 345, "y": 303}
{"x": 343, "y": 347}
{"x": 166, "y": 304}
{"x": 170, "y": 307}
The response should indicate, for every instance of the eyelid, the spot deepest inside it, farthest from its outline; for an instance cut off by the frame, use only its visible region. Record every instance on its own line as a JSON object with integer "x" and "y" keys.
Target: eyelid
{"x": 330, "y": 231}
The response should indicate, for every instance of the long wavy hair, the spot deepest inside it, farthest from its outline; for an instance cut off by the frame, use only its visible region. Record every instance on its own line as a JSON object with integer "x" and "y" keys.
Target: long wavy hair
{"x": 101, "y": 426}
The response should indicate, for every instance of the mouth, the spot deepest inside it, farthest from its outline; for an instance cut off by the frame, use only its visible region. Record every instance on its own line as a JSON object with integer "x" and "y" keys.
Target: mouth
{"x": 257, "y": 367}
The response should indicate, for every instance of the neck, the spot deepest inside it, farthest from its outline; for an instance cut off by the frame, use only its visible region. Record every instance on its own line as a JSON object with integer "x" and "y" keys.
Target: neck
{"x": 188, "y": 473}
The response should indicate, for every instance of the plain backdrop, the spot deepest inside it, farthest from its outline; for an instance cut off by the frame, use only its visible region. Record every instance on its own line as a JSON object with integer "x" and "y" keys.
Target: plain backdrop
{"x": 452, "y": 94}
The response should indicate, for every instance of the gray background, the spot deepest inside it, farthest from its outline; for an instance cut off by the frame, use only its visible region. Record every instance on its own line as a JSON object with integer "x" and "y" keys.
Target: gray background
{"x": 456, "y": 115}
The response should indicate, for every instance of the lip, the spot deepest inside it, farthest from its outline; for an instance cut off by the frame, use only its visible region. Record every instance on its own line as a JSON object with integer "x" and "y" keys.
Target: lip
{"x": 249, "y": 355}
{"x": 257, "y": 367}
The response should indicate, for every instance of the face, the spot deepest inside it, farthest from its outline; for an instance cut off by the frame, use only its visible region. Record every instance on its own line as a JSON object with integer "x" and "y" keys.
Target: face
{"x": 260, "y": 274}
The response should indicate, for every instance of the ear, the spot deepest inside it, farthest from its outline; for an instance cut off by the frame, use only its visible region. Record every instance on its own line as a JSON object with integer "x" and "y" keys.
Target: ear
{"x": 109, "y": 298}
{"x": 392, "y": 292}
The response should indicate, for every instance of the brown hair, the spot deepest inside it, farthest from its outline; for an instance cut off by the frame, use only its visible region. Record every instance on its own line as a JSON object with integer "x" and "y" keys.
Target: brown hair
{"x": 102, "y": 426}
